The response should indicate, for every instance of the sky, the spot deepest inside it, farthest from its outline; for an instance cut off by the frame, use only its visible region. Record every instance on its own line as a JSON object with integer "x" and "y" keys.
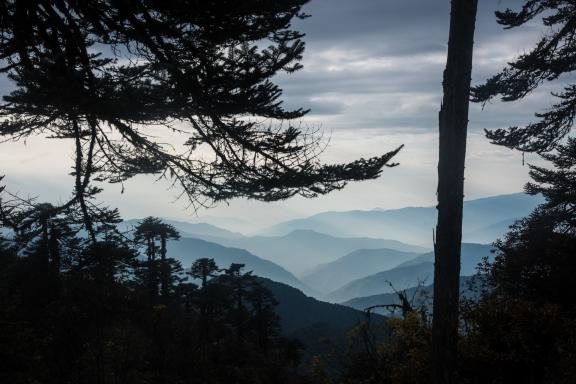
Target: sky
{"x": 372, "y": 79}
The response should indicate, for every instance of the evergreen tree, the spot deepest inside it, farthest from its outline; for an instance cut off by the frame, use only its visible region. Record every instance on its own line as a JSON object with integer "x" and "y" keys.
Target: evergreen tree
{"x": 557, "y": 185}
{"x": 5, "y": 247}
{"x": 44, "y": 232}
{"x": 553, "y": 56}
{"x": 522, "y": 326}
{"x": 204, "y": 269}
{"x": 149, "y": 231}
{"x": 198, "y": 69}
{"x": 532, "y": 275}
{"x": 535, "y": 260}
{"x": 265, "y": 321}
{"x": 239, "y": 284}
{"x": 100, "y": 328}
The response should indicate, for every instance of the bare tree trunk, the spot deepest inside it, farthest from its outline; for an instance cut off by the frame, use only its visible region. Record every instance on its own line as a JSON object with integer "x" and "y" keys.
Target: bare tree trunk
{"x": 453, "y": 123}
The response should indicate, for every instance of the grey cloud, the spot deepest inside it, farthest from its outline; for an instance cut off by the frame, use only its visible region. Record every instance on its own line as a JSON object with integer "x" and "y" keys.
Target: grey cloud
{"x": 405, "y": 25}
{"x": 324, "y": 107}
{"x": 402, "y": 44}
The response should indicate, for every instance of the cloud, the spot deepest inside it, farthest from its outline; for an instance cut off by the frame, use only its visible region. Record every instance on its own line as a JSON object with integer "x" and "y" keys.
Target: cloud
{"x": 381, "y": 63}
{"x": 373, "y": 79}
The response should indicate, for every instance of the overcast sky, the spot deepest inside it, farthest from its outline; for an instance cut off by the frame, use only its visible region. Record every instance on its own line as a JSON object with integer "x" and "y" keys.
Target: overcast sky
{"x": 372, "y": 77}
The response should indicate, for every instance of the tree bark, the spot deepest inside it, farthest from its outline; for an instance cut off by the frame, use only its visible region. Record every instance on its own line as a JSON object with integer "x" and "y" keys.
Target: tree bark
{"x": 165, "y": 275}
{"x": 453, "y": 123}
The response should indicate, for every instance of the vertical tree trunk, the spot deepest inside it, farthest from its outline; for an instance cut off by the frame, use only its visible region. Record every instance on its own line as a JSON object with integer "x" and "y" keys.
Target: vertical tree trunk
{"x": 164, "y": 275}
{"x": 54, "y": 250}
{"x": 152, "y": 268}
{"x": 453, "y": 123}
{"x": 240, "y": 307}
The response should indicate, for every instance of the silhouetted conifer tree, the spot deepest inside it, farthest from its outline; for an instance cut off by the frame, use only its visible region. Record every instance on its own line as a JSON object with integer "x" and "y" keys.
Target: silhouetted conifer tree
{"x": 101, "y": 73}
{"x": 553, "y": 56}
{"x": 149, "y": 231}
{"x": 100, "y": 327}
{"x": 204, "y": 269}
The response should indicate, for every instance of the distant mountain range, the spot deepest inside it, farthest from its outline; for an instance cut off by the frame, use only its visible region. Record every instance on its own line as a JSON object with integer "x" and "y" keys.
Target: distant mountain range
{"x": 189, "y": 229}
{"x": 406, "y": 275}
{"x": 472, "y": 254}
{"x": 343, "y": 255}
{"x": 233, "y": 224}
{"x": 302, "y": 250}
{"x": 187, "y": 250}
{"x": 361, "y": 263}
{"x": 399, "y": 278}
{"x": 489, "y": 233}
{"x": 484, "y": 219}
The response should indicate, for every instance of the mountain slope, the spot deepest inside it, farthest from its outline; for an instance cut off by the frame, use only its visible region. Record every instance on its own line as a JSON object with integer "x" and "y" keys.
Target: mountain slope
{"x": 489, "y": 233}
{"x": 414, "y": 225}
{"x": 189, "y": 229}
{"x": 408, "y": 274}
{"x": 418, "y": 296}
{"x": 233, "y": 224}
{"x": 472, "y": 254}
{"x": 300, "y": 251}
{"x": 399, "y": 277}
{"x": 187, "y": 250}
{"x": 298, "y": 311}
{"x": 322, "y": 327}
{"x": 361, "y": 263}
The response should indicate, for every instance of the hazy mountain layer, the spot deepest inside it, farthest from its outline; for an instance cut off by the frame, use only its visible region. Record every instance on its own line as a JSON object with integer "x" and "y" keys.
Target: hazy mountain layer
{"x": 301, "y": 251}
{"x": 406, "y": 275}
{"x": 361, "y": 263}
{"x": 399, "y": 277}
{"x": 415, "y": 225}
{"x": 189, "y": 249}
{"x": 489, "y": 233}
{"x": 472, "y": 254}
{"x": 233, "y": 224}
{"x": 189, "y": 229}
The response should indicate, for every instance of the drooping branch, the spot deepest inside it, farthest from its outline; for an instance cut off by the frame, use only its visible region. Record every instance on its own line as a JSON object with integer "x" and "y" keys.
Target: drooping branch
{"x": 200, "y": 71}
{"x": 553, "y": 56}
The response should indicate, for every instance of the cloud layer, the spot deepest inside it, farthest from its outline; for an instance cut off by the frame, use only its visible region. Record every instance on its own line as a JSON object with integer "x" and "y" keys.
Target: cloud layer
{"x": 372, "y": 78}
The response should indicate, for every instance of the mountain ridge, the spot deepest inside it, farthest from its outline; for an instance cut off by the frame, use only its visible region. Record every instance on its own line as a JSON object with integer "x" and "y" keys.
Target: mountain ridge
{"x": 413, "y": 225}
{"x": 327, "y": 277}
{"x": 302, "y": 250}
{"x": 407, "y": 274}
{"x": 189, "y": 249}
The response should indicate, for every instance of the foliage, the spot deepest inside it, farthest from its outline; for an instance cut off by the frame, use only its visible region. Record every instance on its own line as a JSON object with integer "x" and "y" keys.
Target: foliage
{"x": 535, "y": 262}
{"x": 557, "y": 185}
{"x": 553, "y": 56}
{"x": 510, "y": 339}
{"x": 114, "y": 76}
{"x": 93, "y": 320}
{"x": 403, "y": 357}
{"x": 521, "y": 326}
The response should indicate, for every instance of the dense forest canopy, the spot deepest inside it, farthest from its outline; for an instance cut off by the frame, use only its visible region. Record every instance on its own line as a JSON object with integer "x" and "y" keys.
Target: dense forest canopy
{"x": 73, "y": 312}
